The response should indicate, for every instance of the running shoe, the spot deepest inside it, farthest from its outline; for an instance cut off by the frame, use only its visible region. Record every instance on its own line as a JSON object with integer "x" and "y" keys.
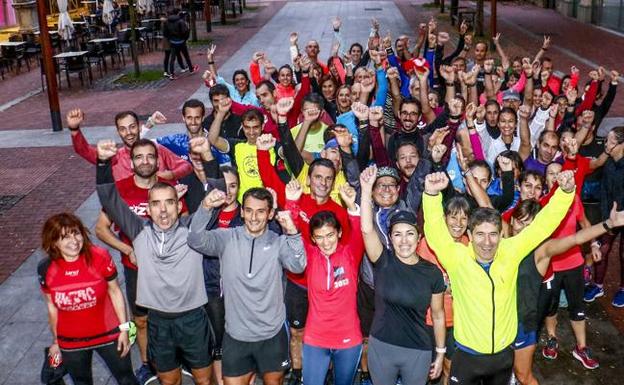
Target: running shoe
{"x": 195, "y": 68}
{"x": 587, "y": 275}
{"x": 173, "y": 77}
{"x": 186, "y": 371}
{"x": 166, "y": 74}
{"x": 551, "y": 350}
{"x": 365, "y": 379}
{"x": 145, "y": 375}
{"x": 586, "y": 357}
{"x": 618, "y": 300}
{"x": 183, "y": 70}
{"x": 295, "y": 380}
{"x": 592, "y": 292}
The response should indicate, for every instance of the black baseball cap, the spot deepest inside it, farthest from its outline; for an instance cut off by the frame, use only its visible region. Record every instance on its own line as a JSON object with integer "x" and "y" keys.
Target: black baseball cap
{"x": 403, "y": 216}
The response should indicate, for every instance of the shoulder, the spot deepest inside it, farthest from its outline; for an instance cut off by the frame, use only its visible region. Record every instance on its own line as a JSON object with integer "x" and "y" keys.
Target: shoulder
{"x": 42, "y": 271}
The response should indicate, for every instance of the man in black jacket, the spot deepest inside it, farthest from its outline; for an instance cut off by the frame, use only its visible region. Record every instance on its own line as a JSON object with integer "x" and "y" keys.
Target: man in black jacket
{"x": 176, "y": 31}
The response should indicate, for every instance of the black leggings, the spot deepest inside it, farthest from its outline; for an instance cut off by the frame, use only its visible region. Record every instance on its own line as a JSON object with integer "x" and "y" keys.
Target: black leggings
{"x": 176, "y": 49}
{"x": 486, "y": 369}
{"x": 572, "y": 282}
{"x": 608, "y": 240}
{"x": 168, "y": 55}
{"x": 79, "y": 362}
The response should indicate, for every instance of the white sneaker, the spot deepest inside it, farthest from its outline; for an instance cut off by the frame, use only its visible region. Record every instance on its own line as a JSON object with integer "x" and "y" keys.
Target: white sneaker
{"x": 183, "y": 70}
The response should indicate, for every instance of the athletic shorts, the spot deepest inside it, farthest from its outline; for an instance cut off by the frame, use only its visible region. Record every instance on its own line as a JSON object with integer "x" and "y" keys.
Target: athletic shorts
{"x": 524, "y": 338}
{"x": 296, "y": 300}
{"x": 216, "y": 313}
{"x": 572, "y": 282}
{"x": 131, "y": 292}
{"x": 270, "y": 355}
{"x": 173, "y": 339}
{"x": 365, "y": 306}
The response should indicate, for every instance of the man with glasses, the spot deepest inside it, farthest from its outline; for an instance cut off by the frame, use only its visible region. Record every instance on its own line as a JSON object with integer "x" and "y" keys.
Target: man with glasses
{"x": 408, "y": 126}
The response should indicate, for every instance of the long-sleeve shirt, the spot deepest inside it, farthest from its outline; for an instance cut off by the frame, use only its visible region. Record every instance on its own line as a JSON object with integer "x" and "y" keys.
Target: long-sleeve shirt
{"x": 122, "y": 164}
{"x": 248, "y": 97}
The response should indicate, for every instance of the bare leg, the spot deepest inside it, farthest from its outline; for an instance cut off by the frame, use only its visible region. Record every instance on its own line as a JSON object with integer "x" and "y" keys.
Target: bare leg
{"x": 523, "y": 365}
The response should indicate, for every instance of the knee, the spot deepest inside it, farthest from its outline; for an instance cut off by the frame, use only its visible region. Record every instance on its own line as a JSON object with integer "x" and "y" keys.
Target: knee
{"x": 296, "y": 333}
{"x": 140, "y": 322}
{"x": 525, "y": 377}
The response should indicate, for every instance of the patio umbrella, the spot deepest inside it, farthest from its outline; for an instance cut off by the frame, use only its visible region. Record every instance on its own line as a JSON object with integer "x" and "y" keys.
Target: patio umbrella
{"x": 145, "y": 6}
{"x": 65, "y": 26}
{"x": 107, "y": 12}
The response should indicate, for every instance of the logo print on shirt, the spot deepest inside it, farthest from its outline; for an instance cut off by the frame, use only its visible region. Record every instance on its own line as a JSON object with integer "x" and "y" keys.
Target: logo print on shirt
{"x": 72, "y": 273}
{"x": 76, "y": 299}
{"x": 339, "y": 279}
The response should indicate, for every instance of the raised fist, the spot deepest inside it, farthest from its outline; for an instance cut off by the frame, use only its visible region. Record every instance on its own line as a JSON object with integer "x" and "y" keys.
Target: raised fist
{"x": 214, "y": 199}
{"x": 293, "y": 190}
{"x": 436, "y": 182}
{"x": 265, "y": 142}
{"x": 284, "y": 105}
{"x": 74, "y": 118}
{"x": 106, "y": 149}
{"x": 566, "y": 180}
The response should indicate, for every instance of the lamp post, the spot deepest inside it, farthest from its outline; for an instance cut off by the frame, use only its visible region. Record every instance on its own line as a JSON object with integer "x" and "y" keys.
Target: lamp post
{"x": 49, "y": 68}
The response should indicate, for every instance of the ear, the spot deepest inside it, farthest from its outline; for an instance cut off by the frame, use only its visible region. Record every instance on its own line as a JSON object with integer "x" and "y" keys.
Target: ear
{"x": 308, "y": 180}
{"x": 339, "y": 234}
{"x": 271, "y": 214}
{"x": 179, "y": 206}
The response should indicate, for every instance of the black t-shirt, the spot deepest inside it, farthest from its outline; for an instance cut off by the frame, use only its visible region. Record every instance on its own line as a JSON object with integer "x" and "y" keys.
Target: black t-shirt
{"x": 231, "y": 127}
{"x": 591, "y": 186}
{"x": 402, "y": 297}
{"x": 528, "y": 288}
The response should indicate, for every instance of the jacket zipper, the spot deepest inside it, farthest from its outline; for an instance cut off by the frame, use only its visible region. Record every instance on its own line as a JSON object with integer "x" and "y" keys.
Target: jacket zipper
{"x": 493, "y": 309}
{"x": 162, "y": 242}
{"x": 328, "y": 271}
{"x": 253, "y": 242}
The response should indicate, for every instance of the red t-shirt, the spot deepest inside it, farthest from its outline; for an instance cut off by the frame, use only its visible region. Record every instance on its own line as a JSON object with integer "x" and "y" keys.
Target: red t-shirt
{"x": 333, "y": 321}
{"x": 80, "y": 293}
{"x": 573, "y": 257}
{"x": 137, "y": 199}
{"x": 303, "y": 211}
{"x": 225, "y": 217}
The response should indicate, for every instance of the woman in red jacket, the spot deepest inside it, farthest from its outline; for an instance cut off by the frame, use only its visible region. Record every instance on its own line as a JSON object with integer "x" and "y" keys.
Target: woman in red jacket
{"x": 332, "y": 330}
{"x": 85, "y": 303}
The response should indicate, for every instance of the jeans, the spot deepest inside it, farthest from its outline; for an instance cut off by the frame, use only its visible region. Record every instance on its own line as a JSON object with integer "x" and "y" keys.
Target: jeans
{"x": 176, "y": 49}
{"x": 173, "y": 58}
{"x": 78, "y": 363}
{"x": 316, "y": 363}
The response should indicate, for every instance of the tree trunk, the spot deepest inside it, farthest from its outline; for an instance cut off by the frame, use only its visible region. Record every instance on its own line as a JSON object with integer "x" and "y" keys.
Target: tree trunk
{"x": 222, "y": 8}
{"x": 479, "y": 26}
{"x": 133, "y": 38}
{"x": 207, "y": 15}
{"x": 193, "y": 21}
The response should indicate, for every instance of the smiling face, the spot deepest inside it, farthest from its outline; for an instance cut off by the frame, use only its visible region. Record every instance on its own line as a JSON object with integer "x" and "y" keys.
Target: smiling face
{"x": 409, "y": 116}
{"x": 356, "y": 54}
{"x": 265, "y": 96}
{"x": 519, "y": 224}
{"x": 284, "y": 76}
{"x": 164, "y": 207}
{"x": 128, "y": 130}
{"x": 404, "y": 239}
{"x": 70, "y": 244}
{"x": 144, "y": 161}
{"x": 241, "y": 83}
{"x": 457, "y": 222}
{"x": 507, "y": 123}
{"x": 485, "y": 238}
{"x": 252, "y": 129}
{"x": 547, "y": 148}
{"x": 386, "y": 191}
{"x": 531, "y": 188}
{"x": 328, "y": 88}
{"x": 321, "y": 182}
{"x": 256, "y": 214}
{"x": 193, "y": 117}
{"x": 344, "y": 98}
{"x": 407, "y": 160}
{"x": 326, "y": 238}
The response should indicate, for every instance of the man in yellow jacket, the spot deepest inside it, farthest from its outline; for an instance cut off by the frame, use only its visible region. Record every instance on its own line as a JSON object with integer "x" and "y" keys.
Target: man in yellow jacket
{"x": 483, "y": 279}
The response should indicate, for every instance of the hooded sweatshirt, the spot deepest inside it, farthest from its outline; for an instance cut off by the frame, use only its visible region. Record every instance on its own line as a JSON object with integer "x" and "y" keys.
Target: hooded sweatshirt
{"x": 252, "y": 272}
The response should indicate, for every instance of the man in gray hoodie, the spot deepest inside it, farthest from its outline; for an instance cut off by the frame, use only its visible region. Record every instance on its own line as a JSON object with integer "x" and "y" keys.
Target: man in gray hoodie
{"x": 170, "y": 280}
{"x": 253, "y": 259}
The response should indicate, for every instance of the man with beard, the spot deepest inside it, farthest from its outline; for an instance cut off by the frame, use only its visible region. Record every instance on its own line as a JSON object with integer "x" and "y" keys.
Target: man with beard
{"x": 134, "y": 190}
{"x": 547, "y": 148}
{"x": 410, "y": 119}
{"x": 170, "y": 166}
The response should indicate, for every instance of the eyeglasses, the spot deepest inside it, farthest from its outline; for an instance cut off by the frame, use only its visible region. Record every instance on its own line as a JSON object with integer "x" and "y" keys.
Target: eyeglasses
{"x": 386, "y": 187}
{"x": 405, "y": 113}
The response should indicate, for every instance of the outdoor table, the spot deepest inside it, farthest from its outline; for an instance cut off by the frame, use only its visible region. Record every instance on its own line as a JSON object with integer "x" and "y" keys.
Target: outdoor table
{"x": 138, "y": 29}
{"x": 68, "y": 54}
{"x": 147, "y": 21}
{"x": 12, "y": 43}
{"x": 102, "y": 40}
{"x": 79, "y": 22}
{"x": 67, "y": 58}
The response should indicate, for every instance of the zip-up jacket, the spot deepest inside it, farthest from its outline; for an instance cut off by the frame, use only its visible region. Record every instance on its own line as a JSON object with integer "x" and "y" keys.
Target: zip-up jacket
{"x": 484, "y": 302}
{"x": 251, "y": 273}
{"x": 169, "y": 271}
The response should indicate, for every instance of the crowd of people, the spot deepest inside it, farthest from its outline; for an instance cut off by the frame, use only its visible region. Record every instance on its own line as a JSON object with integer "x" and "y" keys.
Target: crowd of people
{"x": 397, "y": 210}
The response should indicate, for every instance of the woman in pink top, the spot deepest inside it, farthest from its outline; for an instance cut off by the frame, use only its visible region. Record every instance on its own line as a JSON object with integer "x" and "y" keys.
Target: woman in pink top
{"x": 332, "y": 327}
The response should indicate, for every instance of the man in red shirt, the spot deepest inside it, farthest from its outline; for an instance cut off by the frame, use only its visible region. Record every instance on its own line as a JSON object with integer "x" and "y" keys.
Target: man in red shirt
{"x": 134, "y": 191}
{"x": 170, "y": 167}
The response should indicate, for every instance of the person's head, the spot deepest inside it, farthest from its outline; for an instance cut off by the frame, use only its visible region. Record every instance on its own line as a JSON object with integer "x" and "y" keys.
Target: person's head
{"x": 356, "y": 52}
{"x": 252, "y": 121}
{"x": 547, "y": 146}
{"x": 331, "y": 150}
{"x": 359, "y": 74}
{"x": 257, "y": 210}
{"x": 128, "y": 127}
{"x": 531, "y": 185}
{"x": 144, "y": 158}
{"x": 329, "y": 87}
{"x": 547, "y": 64}
{"x": 481, "y": 50}
{"x": 537, "y": 97}
{"x": 516, "y": 65}
{"x": 565, "y": 84}
{"x": 433, "y": 98}
{"x": 507, "y": 121}
{"x": 164, "y": 206}
{"x": 64, "y": 236}
{"x": 241, "y": 81}
{"x": 562, "y": 103}
{"x": 407, "y": 158}
{"x": 459, "y": 64}
{"x": 285, "y": 75}
{"x": 343, "y": 98}
{"x": 546, "y": 99}
{"x": 321, "y": 176}
{"x": 614, "y": 145}
{"x": 403, "y": 234}
{"x": 492, "y": 110}
{"x": 484, "y": 232}
{"x": 232, "y": 183}
{"x": 552, "y": 171}
{"x": 456, "y": 213}
{"x": 325, "y": 231}
{"x": 523, "y": 215}
{"x": 193, "y": 113}
{"x": 312, "y": 49}
{"x": 512, "y": 79}
{"x": 481, "y": 171}
{"x": 511, "y": 99}
{"x": 313, "y": 101}
{"x": 409, "y": 114}
{"x": 386, "y": 187}
{"x": 217, "y": 93}
{"x": 265, "y": 92}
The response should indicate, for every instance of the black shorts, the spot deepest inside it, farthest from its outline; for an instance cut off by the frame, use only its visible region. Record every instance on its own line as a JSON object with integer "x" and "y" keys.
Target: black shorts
{"x": 365, "y": 306}
{"x": 131, "y": 292}
{"x": 270, "y": 355}
{"x": 296, "y": 300}
{"x": 216, "y": 313}
{"x": 173, "y": 339}
{"x": 572, "y": 282}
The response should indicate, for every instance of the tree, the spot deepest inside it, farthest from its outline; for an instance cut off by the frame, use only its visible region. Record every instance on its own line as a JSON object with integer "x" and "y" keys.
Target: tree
{"x": 133, "y": 38}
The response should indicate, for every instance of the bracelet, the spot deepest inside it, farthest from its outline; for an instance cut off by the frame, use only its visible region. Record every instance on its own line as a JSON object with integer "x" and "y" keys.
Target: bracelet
{"x": 606, "y": 226}
{"x": 596, "y": 244}
{"x": 544, "y": 49}
{"x": 441, "y": 350}
{"x": 210, "y": 63}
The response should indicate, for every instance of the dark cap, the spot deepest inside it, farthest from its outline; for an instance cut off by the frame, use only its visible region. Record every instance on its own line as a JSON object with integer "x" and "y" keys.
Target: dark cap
{"x": 403, "y": 216}
{"x": 388, "y": 171}
{"x": 510, "y": 95}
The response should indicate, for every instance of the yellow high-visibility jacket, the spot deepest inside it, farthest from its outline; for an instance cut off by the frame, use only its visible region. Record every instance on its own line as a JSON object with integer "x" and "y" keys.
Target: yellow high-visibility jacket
{"x": 484, "y": 303}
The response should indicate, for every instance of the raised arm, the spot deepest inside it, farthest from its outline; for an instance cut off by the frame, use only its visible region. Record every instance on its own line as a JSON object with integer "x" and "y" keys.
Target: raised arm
{"x": 75, "y": 118}
{"x": 214, "y": 133}
{"x": 525, "y": 134}
{"x": 202, "y": 240}
{"x": 372, "y": 244}
{"x": 499, "y": 49}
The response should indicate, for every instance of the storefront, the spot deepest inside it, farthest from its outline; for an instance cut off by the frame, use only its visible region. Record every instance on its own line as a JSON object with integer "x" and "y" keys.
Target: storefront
{"x": 605, "y": 13}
